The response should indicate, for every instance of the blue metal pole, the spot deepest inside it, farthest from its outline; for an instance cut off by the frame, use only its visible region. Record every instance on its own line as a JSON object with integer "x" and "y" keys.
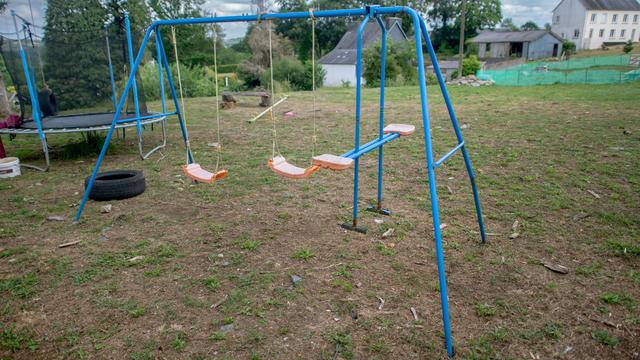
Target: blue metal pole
{"x": 357, "y": 132}
{"x": 176, "y": 103}
{"x": 114, "y": 95}
{"x": 116, "y": 115}
{"x": 444, "y": 298}
{"x": 456, "y": 128}
{"x": 160, "y": 74}
{"x": 33, "y": 93}
{"x": 376, "y": 144}
{"x": 135, "y": 87}
{"x": 383, "y": 66}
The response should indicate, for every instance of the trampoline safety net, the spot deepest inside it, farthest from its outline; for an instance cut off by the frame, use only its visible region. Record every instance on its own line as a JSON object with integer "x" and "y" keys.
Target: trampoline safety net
{"x": 73, "y": 65}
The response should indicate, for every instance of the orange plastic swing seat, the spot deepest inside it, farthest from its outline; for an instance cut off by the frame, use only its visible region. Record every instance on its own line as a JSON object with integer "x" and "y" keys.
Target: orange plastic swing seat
{"x": 333, "y": 162}
{"x": 402, "y": 129}
{"x": 280, "y": 166}
{"x": 195, "y": 172}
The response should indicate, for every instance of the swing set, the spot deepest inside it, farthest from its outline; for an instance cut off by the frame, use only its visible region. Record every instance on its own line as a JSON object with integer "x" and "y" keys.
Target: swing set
{"x": 278, "y": 163}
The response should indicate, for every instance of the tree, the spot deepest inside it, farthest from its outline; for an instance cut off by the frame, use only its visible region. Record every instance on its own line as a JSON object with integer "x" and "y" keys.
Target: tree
{"x": 194, "y": 42}
{"x": 547, "y": 26}
{"x": 444, "y": 17}
{"x": 529, "y": 26}
{"x": 507, "y": 24}
{"x": 5, "y": 109}
{"x": 401, "y": 63}
{"x": 568, "y": 47}
{"x": 251, "y": 69}
{"x": 329, "y": 31}
{"x": 628, "y": 47}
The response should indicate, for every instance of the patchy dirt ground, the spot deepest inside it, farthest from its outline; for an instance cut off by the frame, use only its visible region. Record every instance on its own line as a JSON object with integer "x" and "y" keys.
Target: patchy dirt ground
{"x": 205, "y": 271}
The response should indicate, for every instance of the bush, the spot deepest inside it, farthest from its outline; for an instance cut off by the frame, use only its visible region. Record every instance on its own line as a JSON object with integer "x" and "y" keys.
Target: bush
{"x": 292, "y": 74}
{"x": 400, "y": 67}
{"x": 470, "y": 65}
{"x": 569, "y": 47}
{"x": 197, "y": 81}
{"x": 628, "y": 47}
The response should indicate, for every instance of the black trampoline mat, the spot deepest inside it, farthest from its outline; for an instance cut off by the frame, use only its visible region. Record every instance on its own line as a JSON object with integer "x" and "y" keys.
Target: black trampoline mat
{"x": 76, "y": 121}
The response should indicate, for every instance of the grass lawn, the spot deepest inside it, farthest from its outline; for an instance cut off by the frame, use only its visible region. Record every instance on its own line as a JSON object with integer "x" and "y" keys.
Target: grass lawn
{"x": 204, "y": 271}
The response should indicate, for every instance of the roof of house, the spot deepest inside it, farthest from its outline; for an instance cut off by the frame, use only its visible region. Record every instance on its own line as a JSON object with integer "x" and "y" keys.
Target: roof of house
{"x": 489, "y": 36}
{"x": 623, "y": 5}
{"x": 628, "y": 5}
{"x": 345, "y": 52}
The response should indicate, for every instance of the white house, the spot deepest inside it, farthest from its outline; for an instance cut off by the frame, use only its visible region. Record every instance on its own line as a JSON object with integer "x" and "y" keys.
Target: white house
{"x": 340, "y": 63}
{"x": 591, "y": 23}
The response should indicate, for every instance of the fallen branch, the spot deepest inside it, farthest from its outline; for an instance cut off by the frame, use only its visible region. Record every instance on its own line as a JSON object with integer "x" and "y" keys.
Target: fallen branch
{"x": 415, "y": 313}
{"x": 224, "y": 298}
{"x": 71, "y": 243}
{"x": 267, "y": 110}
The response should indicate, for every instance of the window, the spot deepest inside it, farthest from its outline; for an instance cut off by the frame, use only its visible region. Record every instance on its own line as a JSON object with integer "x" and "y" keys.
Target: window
{"x": 635, "y": 19}
{"x": 614, "y": 19}
{"x": 601, "y": 33}
{"x": 612, "y": 33}
{"x": 633, "y": 34}
{"x": 622, "y": 33}
{"x": 557, "y": 19}
{"x": 590, "y": 33}
{"x": 576, "y": 33}
{"x": 562, "y": 36}
{"x": 603, "y": 18}
{"x": 487, "y": 47}
{"x": 625, "y": 18}
{"x": 593, "y": 18}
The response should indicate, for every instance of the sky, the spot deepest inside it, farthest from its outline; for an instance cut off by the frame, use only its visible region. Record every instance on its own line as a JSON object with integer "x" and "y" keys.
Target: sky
{"x": 520, "y": 11}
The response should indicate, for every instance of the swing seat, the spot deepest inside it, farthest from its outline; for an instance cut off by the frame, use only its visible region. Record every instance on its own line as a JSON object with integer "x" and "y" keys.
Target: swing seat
{"x": 402, "y": 129}
{"x": 195, "y": 172}
{"x": 280, "y": 166}
{"x": 332, "y": 162}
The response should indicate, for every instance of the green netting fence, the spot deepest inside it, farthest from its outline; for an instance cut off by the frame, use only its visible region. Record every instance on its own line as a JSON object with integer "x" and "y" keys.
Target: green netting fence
{"x": 593, "y": 70}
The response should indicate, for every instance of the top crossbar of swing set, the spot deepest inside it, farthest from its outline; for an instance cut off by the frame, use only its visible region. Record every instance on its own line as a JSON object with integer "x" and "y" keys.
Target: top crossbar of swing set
{"x": 369, "y": 12}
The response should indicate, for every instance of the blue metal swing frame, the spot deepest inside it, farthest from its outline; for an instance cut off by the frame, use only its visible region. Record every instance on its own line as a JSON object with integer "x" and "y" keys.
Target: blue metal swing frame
{"x": 369, "y": 12}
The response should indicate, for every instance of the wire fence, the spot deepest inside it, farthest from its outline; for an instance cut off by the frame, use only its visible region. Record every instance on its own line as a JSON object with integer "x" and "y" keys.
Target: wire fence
{"x": 594, "y": 70}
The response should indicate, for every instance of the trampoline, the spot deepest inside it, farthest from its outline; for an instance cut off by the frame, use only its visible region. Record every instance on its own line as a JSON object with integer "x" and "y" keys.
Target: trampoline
{"x": 81, "y": 123}
{"x": 54, "y": 93}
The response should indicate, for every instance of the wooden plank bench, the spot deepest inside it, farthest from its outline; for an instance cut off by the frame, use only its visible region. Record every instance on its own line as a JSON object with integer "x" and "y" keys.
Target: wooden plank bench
{"x": 229, "y": 100}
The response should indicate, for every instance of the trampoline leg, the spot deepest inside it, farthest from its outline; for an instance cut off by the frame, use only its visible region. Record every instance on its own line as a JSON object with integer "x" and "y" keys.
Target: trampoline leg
{"x": 47, "y": 162}
{"x": 164, "y": 142}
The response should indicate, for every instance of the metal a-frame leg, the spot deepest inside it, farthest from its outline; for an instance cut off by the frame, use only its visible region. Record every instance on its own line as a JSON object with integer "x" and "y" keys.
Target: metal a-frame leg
{"x": 456, "y": 128}
{"x": 121, "y": 104}
{"x": 383, "y": 65}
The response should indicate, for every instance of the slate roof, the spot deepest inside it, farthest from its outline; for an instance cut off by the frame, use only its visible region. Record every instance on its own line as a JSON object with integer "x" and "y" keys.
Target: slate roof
{"x": 488, "y": 36}
{"x": 624, "y": 5}
{"x": 621, "y": 5}
{"x": 345, "y": 52}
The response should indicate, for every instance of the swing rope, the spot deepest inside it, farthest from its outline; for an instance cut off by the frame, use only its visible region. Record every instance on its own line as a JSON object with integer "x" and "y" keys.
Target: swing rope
{"x": 183, "y": 109}
{"x": 314, "y": 138}
{"x": 274, "y": 147}
{"x": 193, "y": 170}
{"x": 219, "y": 159}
